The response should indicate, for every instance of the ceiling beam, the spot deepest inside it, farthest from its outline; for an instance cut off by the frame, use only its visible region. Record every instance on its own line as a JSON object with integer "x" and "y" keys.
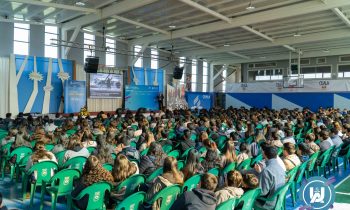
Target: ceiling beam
{"x": 322, "y": 36}
{"x": 342, "y": 16}
{"x": 206, "y": 10}
{"x": 107, "y": 12}
{"x": 27, "y": 22}
{"x": 18, "y": 9}
{"x": 55, "y": 5}
{"x": 249, "y": 19}
{"x": 36, "y": 11}
{"x": 307, "y": 54}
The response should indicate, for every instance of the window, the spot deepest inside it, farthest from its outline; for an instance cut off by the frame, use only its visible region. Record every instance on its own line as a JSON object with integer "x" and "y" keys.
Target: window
{"x": 265, "y": 74}
{"x": 182, "y": 64}
{"x": 137, "y": 49}
{"x": 154, "y": 59}
{"x": 313, "y": 72}
{"x": 224, "y": 75}
{"x": 205, "y": 77}
{"x": 194, "y": 75}
{"x": 21, "y": 39}
{"x": 89, "y": 45}
{"x": 343, "y": 71}
{"x": 110, "y": 57}
{"x": 51, "y": 36}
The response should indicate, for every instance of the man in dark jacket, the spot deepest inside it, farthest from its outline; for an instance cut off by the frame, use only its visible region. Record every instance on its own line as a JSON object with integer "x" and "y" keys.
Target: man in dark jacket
{"x": 186, "y": 142}
{"x": 199, "y": 198}
{"x": 123, "y": 145}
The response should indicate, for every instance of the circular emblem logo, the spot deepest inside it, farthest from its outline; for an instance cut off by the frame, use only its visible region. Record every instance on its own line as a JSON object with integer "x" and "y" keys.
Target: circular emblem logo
{"x": 317, "y": 193}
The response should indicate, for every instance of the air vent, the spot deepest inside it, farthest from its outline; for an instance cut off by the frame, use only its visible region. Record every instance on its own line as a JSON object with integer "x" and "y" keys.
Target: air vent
{"x": 265, "y": 65}
{"x": 251, "y": 65}
{"x": 321, "y": 60}
{"x": 345, "y": 58}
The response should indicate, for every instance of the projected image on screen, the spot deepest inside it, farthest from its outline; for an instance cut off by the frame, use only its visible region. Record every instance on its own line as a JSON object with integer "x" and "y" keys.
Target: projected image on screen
{"x": 106, "y": 85}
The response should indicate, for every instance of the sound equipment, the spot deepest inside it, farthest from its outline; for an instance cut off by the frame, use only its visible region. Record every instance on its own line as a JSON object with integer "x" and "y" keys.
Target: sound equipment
{"x": 178, "y": 72}
{"x": 91, "y": 64}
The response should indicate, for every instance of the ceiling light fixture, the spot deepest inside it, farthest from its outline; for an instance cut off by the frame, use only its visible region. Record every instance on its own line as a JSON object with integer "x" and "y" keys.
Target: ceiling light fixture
{"x": 172, "y": 26}
{"x": 297, "y": 34}
{"x": 326, "y": 50}
{"x": 226, "y": 45}
{"x": 80, "y": 3}
{"x": 250, "y": 6}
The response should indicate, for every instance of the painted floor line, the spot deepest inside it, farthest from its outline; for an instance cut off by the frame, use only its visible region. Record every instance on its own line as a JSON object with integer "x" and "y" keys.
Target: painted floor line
{"x": 341, "y": 182}
{"x": 343, "y": 193}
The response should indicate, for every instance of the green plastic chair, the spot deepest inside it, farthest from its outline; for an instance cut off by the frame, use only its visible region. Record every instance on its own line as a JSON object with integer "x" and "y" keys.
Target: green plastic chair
{"x": 144, "y": 152}
{"x": 49, "y": 147}
{"x": 193, "y": 137}
{"x": 185, "y": 154}
{"x": 175, "y": 154}
{"x": 60, "y": 157}
{"x": 131, "y": 184}
{"x": 133, "y": 202}
{"x": 291, "y": 179}
{"x": 5, "y": 150}
{"x": 202, "y": 150}
{"x": 171, "y": 135}
{"x": 311, "y": 165}
{"x": 221, "y": 141}
{"x": 214, "y": 171}
{"x": 229, "y": 204}
{"x": 180, "y": 165}
{"x": 324, "y": 160}
{"x": 155, "y": 174}
{"x": 167, "y": 197}
{"x": 44, "y": 173}
{"x": 279, "y": 151}
{"x": 71, "y": 132}
{"x": 245, "y": 165}
{"x": 96, "y": 193}
{"x": 256, "y": 160}
{"x": 108, "y": 167}
{"x": 20, "y": 152}
{"x": 229, "y": 167}
{"x": 191, "y": 183}
{"x": 299, "y": 178}
{"x": 247, "y": 200}
{"x": 346, "y": 157}
{"x": 167, "y": 148}
{"x": 279, "y": 196}
{"x": 32, "y": 143}
{"x": 114, "y": 156}
{"x": 91, "y": 149}
{"x": 334, "y": 157}
{"x": 61, "y": 184}
{"x": 75, "y": 163}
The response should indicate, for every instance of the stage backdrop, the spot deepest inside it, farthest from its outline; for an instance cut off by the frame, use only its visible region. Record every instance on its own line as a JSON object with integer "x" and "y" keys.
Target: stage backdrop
{"x": 154, "y": 77}
{"x": 200, "y": 100}
{"x": 315, "y": 94}
{"x": 137, "y": 96}
{"x": 36, "y": 83}
{"x": 74, "y": 96}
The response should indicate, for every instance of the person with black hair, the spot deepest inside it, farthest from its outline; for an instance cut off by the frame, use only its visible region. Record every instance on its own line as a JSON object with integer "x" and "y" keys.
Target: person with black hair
{"x": 123, "y": 147}
{"x": 271, "y": 178}
{"x": 2, "y": 206}
{"x": 186, "y": 142}
{"x": 153, "y": 160}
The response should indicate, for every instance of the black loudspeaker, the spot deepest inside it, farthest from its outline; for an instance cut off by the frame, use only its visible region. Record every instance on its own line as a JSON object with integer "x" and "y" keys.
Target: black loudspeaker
{"x": 91, "y": 64}
{"x": 178, "y": 72}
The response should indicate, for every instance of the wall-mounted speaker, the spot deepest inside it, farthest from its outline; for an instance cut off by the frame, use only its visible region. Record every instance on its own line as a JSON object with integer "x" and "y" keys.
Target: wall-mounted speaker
{"x": 178, "y": 72}
{"x": 91, "y": 64}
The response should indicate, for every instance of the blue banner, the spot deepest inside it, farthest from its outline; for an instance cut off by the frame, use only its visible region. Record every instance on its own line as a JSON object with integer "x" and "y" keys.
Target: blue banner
{"x": 154, "y": 77}
{"x": 137, "y": 96}
{"x": 74, "y": 96}
{"x": 200, "y": 100}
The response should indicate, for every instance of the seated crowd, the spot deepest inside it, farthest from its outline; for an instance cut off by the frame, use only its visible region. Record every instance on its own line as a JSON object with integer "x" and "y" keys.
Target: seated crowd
{"x": 138, "y": 143}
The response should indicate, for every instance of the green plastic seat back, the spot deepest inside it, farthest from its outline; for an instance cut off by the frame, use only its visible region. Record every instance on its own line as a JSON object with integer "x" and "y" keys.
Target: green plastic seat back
{"x": 63, "y": 180}
{"x": 24, "y": 160}
{"x": 248, "y": 199}
{"x": 91, "y": 149}
{"x": 154, "y": 174}
{"x": 256, "y": 160}
{"x": 214, "y": 171}
{"x": 70, "y": 132}
{"x": 133, "y": 202}
{"x": 133, "y": 144}
{"x": 325, "y": 156}
{"x": 245, "y": 164}
{"x": 167, "y": 148}
{"x": 202, "y": 150}
{"x": 280, "y": 195}
{"x": 280, "y": 151}
{"x": 180, "y": 165}
{"x": 76, "y": 163}
{"x": 249, "y": 140}
{"x": 60, "y": 157}
{"x": 175, "y": 154}
{"x": 131, "y": 184}
{"x": 114, "y": 156}
{"x": 108, "y": 167}
{"x": 191, "y": 183}
{"x": 144, "y": 152}
{"x": 301, "y": 171}
{"x": 44, "y": 170}
{"x": 193, "y": 137}
{"x": 32, "y": 143}
{"x": 7, "y": 148}
{"x": 167, "y": 195}
{"x": 312, "y": 161}
{"x": 229, "y": 167}
{"x": 171, "y": 135}
{"x": 96, "y": 193}
{"x": 49, "y": 147}
{"x": 336, "y": 150}
{"x": 184, "y": 155}
{"x": 221, "y": 141}
{"x": 21, "y": 152}
{"x": 229, "y": 204}
{"x": 292, "y": 174}
{"x": 347, "y": 155}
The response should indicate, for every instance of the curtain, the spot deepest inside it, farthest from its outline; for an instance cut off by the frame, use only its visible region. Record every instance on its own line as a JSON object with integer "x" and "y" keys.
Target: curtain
{"x": 4, "y": 85}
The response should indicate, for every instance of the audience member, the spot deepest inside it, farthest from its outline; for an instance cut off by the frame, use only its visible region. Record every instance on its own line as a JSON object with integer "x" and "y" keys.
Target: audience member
{"x": 233, "y": 188}
{"x": 153, "y": 160}
{"x": 193, "y": 165}
{"x": 290, "y": 159}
